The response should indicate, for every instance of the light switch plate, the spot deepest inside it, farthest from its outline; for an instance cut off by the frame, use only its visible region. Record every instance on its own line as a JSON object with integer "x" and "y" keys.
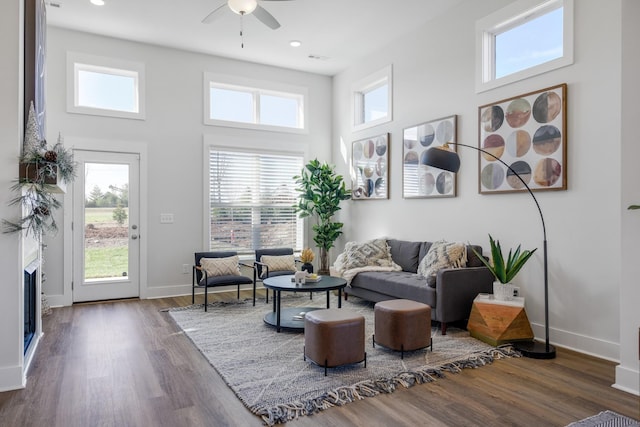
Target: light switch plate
{"x": 166, "y": 218}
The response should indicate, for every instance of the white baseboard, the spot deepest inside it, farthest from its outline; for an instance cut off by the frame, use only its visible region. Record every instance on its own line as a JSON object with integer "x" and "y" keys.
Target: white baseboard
{"x": 12, "y": 378}
{"x": 581, "y": 343}
{"x": 627, "y": 380}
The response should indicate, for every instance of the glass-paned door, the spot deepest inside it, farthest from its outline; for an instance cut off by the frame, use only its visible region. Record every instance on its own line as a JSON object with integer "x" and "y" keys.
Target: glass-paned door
{"x": 106, "y": 230}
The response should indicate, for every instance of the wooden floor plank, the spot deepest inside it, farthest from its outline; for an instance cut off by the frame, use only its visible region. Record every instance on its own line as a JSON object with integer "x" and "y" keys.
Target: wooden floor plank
{"x": 126, "y": 363}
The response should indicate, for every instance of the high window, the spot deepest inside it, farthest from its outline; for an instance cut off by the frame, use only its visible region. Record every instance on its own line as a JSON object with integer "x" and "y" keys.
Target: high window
{"x": 254, "y": 104}
{"x": 524, "y": 39}
{"x": 251, "y": 198}
{"x": 372, "y": 99}
{"x": 105, "y": 86}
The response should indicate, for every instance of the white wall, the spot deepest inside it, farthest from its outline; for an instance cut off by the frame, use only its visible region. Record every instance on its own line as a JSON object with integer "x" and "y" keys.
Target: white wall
{"x": 174, "y": 135}
{"x": 627, "y": 373}
{"x": 433, "y": 73}
{"x": 11, "y": 87}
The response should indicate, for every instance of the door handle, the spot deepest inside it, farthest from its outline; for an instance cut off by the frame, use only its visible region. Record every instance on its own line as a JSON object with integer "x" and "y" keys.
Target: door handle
{"x": 134, "y": 236}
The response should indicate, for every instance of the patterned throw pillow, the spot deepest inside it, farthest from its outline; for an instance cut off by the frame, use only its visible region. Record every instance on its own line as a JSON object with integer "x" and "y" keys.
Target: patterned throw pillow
{"x": 374, "y": 252}
{"x": 278, "y": 263}
{"x": 227, "y": 266}
{"x": 442, "y": 254}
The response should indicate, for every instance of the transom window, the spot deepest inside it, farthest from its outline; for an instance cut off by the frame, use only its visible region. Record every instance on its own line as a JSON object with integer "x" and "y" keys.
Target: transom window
{"x": 105, "y": 86}
{"x": 268, "y": 107}
{"x": 251, "y": 199}
{"x": 522, "y": 40}
{"x": 372, "y": 100}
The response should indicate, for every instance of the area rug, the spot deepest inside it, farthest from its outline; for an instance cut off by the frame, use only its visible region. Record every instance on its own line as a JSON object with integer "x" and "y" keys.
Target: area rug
{"x": 606, "y": 419}
{"x": 267, "y": 372}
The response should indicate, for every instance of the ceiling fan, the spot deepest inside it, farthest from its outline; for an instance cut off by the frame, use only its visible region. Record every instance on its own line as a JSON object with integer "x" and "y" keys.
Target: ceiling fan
{"x": 246, "y": 7}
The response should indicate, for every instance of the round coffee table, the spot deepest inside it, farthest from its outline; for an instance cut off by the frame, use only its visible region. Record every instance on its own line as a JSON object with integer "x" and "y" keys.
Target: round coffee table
{"x": 293, "y": 318}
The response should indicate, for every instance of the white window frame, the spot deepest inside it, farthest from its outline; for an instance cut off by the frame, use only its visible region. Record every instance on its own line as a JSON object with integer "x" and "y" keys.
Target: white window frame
{"x": 84, "y": 62}
{"x": 510, "y": 17}
{"x": 233, "y": 144}
{"x": 367, "y": 84}
{"x": 256, "y": 88}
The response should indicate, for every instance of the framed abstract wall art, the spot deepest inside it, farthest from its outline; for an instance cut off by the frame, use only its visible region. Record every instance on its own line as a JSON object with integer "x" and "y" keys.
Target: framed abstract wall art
{"x": 529, "y": 133}
{"x": 418, "y": 179}
{"x": 369, "y": 168}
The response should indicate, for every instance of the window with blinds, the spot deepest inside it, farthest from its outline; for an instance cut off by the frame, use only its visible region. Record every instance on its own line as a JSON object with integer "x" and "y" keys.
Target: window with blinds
{"x": 251, "y": 196}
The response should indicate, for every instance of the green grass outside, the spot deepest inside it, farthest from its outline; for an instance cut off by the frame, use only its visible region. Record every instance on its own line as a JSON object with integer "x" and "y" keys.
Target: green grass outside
{"x": 105, "y": 262}
{"x": 100, "y": 215}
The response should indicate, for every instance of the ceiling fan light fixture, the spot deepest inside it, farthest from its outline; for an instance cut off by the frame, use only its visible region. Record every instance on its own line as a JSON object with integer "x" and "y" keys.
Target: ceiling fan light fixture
{"x": 243, "y": 7}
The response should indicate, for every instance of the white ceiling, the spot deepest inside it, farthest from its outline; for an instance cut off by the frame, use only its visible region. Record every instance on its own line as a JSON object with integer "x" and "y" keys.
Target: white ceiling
{"x": 338, "y": 31}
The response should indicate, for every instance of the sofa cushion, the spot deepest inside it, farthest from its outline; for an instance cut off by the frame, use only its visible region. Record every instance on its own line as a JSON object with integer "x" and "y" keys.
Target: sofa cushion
{"x": 396, "y": 284}
{"x": 405, "y": 254}
{"x": 472, "y": 258}
{"x": 442, "y": 254}
{"x": 371, "y": 253}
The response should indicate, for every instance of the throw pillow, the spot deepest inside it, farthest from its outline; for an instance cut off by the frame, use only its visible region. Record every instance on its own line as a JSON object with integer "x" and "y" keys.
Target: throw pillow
{"x": 374, "y": 252}
{"x": 442, "y": 254}
{"x": 227, "y": 266}
{"x": 278, "y": 263}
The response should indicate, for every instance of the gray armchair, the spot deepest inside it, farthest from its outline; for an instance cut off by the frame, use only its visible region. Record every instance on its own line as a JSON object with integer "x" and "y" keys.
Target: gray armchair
{"x": 262, "y": 271}
{"x": 201, "y": 278}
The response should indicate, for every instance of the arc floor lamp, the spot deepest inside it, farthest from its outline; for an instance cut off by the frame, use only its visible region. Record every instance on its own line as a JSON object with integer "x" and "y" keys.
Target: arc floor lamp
{"x": 443, "y": 158}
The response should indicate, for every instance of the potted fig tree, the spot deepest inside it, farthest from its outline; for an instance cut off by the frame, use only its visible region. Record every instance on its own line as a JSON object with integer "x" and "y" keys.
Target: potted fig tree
{"x": 321, "y": 191}
{"x": 505, "y": 270}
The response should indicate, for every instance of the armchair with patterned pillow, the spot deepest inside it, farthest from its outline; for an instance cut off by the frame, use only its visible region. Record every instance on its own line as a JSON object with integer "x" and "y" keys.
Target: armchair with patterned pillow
{"x": 212, "y": 269}
{"x": 271, "y": 263}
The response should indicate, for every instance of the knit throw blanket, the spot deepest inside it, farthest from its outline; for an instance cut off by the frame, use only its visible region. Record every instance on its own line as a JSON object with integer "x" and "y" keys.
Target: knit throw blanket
{"x": 373, "y": 255}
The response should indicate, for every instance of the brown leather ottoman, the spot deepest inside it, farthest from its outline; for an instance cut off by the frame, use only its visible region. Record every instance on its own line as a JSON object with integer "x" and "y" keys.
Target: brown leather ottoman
{"x": 334, "y": 337}
{"x": 403, "y": 325}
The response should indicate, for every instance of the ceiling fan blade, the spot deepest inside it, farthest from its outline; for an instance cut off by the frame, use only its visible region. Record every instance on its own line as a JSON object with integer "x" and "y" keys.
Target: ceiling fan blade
{"x": 214, "y": 15}
{"x": 266, "y": 18}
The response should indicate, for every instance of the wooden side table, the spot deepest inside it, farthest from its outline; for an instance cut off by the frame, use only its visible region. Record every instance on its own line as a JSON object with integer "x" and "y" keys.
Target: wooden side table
{"x": 499, "y": 322}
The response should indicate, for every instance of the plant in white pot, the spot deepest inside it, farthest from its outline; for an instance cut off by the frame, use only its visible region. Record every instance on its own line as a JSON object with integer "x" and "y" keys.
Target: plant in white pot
{"x": 505, "y": 271}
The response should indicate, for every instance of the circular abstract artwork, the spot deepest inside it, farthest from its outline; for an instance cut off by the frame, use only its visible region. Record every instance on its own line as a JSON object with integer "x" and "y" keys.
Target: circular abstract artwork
{"x": 518, "y": 113}
{"x": 368, "y": 149}
{"x": 521, "y": 168}
{"x": 426, "y": 135}
{"x": 547, "y": 172}
{"x": 492, "y": 176}
{"x": 493, "y": 144}
{"x": 518, "y": 143}
{"x": 546, "y": 140}
{"x": 444, "y": 132}
{"x": 427, "y": 184}
{"x": 546, "y": 107}
{"x": 444, "y": 182}
{"x": 492, "y": 118}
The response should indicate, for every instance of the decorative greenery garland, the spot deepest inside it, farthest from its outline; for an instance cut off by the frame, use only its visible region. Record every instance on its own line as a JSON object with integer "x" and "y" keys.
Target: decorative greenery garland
{"x": 35, "y": 193}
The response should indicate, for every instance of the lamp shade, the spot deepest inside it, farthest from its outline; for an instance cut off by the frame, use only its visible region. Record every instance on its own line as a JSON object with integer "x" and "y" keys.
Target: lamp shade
{"x": 243, "y": 6}
{"x": 442, "y": 158}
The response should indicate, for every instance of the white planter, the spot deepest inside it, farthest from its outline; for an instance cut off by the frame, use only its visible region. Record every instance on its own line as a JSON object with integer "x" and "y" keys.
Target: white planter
{"x": 503, "y": 292}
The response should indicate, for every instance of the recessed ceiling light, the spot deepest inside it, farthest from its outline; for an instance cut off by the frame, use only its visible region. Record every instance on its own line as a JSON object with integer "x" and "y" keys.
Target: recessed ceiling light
{"x": 97, "y": 2}
{"x": 295, "y": 43}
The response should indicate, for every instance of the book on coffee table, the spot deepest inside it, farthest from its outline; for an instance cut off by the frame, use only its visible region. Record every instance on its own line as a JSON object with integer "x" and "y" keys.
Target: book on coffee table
{"x": 309, "y": 279}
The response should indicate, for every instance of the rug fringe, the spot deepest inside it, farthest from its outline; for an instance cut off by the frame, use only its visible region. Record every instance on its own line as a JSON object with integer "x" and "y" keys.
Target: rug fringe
{"x": 343, "y": 395}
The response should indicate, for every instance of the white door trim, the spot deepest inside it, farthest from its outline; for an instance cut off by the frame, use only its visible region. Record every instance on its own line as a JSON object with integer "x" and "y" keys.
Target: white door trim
{"x": 119, "y": 146}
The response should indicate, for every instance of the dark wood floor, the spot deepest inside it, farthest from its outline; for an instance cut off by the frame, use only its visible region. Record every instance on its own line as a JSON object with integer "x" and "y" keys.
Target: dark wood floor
{"x": 126, "y": 363}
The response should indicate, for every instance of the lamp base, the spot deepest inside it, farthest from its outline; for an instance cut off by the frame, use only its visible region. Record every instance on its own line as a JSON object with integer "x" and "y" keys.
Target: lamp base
{"x": 535, "y": 349}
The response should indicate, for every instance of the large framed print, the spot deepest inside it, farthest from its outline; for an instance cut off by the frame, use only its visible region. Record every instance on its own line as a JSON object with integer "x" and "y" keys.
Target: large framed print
{"x": 528, "y": 133}
{"x": 370, "y": 168}
{"x": 418, "y": 179}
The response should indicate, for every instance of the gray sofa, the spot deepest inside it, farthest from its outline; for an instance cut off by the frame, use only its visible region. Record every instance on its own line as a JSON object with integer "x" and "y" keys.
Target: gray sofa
{"x": 450, "y": 297}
